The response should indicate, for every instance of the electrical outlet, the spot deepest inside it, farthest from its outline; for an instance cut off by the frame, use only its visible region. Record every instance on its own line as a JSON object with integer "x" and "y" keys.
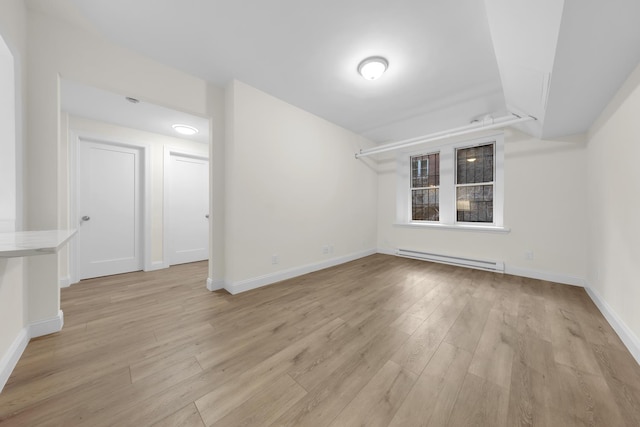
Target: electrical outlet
{"x": 274, "y": 259}
{"x": 528, "y": 255}
{"x": 325, "y": 249}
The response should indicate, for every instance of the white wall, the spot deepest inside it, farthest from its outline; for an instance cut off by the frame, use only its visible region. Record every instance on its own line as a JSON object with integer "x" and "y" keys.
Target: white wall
{"x": 12, "y": 274}
{"x": 156, "y": 142}
{"x": 614, "y": 203}
{"x": 544, "y": 206}
{"x": 216, "y": 112}
{"x": 292, "y": 186}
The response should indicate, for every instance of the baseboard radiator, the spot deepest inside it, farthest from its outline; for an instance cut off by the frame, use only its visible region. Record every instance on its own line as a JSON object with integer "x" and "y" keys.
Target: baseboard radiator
{"x": 496, "y": 266}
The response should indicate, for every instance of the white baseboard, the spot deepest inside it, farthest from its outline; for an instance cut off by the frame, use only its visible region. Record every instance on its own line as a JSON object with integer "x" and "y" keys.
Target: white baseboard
{"x": 215, "y": 285}
{"x": 627, "y": 336}
{"x": 47, "y": 326}
{"x": 278, "y": 276}
{"x": 10, "y": 358}
{"x": 37, "y": 329}
{"x": 523, "y": 272}
{"x": 65, "y": 282}
{"x": 157, "y": 265}
{"x": 387, "y": 251}
{"x": 545, "y": 275}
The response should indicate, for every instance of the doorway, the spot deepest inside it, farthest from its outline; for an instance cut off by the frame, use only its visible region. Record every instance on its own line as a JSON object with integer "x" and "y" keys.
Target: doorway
{"x": 186, "y": 200}
{"x": 109, "y": 208}
{"x": 91, "y": 114}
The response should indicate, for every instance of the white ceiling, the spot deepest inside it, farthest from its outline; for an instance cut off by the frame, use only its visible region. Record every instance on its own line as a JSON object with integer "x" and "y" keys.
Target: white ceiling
{"x": 86, "y": 101}
{"x": 450, "y": 61}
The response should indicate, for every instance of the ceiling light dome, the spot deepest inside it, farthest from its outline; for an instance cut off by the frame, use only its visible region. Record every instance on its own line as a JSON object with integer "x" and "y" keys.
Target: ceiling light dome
{"x": 373, "y": 67}
{"x": 185, "y": 129}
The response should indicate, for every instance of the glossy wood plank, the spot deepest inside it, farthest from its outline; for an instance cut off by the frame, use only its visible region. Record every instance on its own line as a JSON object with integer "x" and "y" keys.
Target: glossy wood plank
{"x": 590, "y": 397}
{"x": 432, "y": 397}
{"x": 378, "y": 341}
{"x": 222, "y": 400}
{"x": 570, "y": 346}
{"x": 480, "y": 403}
{"x": 378, "y": 401}
{"x": 467, "y": 330}
{"x": 185, "y": 417}
{"x": 266, "y": 405}
{"x": 534, "y": 389}
{"x": 494, "y": 354}
{"x": 420, "y": 347}
{"x": 325, "y": 401}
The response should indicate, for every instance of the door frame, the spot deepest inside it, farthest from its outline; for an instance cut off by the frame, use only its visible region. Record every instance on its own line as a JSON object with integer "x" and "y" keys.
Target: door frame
{"x": 78, "y": 137}
{"x": 166, "y": 195}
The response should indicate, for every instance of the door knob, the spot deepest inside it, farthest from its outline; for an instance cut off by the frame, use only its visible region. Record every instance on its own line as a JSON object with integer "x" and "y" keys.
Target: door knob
{"x": 86, "y": 218}
{"x": 207, "y": 216}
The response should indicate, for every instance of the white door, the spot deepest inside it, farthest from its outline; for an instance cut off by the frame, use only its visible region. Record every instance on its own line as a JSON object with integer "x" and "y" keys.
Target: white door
{"x": 188, "y": 209}
{"x": 109, "y": 207}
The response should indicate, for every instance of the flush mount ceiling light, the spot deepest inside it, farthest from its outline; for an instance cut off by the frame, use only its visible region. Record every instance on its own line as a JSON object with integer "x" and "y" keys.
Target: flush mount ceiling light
{"x": 373, "y": 67}
{"x": 185, "y": 129}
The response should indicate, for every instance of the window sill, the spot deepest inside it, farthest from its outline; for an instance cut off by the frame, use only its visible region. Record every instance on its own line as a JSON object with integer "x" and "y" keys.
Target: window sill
{"x": 458, "y": 227}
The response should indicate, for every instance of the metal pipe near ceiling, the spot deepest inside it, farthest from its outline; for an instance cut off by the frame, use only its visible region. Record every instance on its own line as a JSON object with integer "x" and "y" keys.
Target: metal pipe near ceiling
{"x": 496, "y": 123}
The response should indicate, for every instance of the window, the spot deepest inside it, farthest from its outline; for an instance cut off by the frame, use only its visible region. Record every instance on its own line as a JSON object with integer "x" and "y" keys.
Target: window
{"x": 458, "y": 185}
{"x": 474, "y": 184}
{"x": 425, "y": 180}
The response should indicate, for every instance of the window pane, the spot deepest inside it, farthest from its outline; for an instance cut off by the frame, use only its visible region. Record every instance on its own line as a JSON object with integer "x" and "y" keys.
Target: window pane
{"x": 474, "y": 164}
{"x": 425, "y": 204}
{"x": 475, "y": 203}
{"x": 425, "y": 170}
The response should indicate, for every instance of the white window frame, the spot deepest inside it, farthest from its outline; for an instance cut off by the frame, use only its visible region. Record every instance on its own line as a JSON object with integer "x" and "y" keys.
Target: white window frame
{"x": 447, "y": 193}
{"x": 411, "y": 188}
{"x": 456, "y": 185}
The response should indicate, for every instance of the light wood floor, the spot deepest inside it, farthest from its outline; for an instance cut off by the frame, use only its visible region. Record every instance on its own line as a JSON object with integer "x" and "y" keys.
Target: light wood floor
{"x": 381, "y": 341}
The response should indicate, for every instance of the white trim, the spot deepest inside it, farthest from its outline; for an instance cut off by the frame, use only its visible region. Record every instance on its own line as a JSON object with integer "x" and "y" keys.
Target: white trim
{"x": 47, "y": 326}
{"x": 545, "y": 275}
{"x": 14, "y": 352}
{"x": 387, "y": 251}
{"x": 12, "y": 356}
{"x": 498, "y": 182}
{"x": 522, "y": 272}
{"x": 459, "y": 227}
{"x": 625, "y": 333}
{"x": 168, "y": 152}
{"x": 65, "y": 282}
{"x": 495, "y": 123}
{"x": 75, "y": 137}
{"x": 157, "y": 265}
{"x": 267, "y": 279}
{"x": 215, "y": 285}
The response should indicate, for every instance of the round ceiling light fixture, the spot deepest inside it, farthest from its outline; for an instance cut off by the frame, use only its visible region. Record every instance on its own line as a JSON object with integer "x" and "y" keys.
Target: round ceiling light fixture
{"x": 185, "y": 129}
{"x": 373, "y": 67}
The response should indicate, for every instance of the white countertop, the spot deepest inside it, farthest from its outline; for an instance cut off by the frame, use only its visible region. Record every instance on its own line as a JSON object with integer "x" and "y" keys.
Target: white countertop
{"x": 28, "y": 243}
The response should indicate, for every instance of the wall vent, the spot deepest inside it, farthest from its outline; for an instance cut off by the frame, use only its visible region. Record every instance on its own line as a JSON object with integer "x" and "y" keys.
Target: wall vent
{"x": 495, "y": 266}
